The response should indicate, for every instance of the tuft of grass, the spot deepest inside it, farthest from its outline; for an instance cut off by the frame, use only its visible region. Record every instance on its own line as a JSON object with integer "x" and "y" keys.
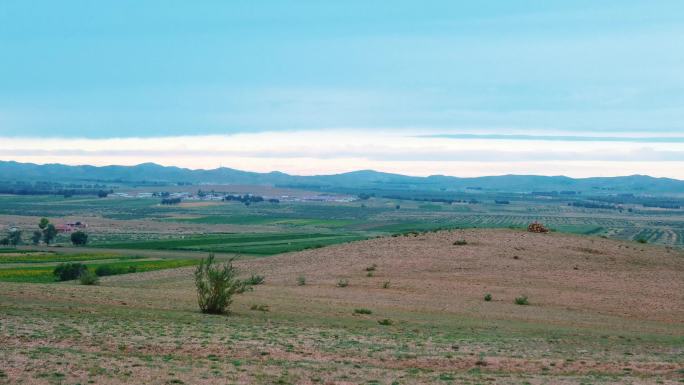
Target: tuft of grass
{"x": 301, "y": 280}
{"x": 488, "y": 297}
{"x": 342, "y": 283}
{"x": 460, "y": 242}
{"x": 372, "y": 267}
{"x": 255, "y": 279}
{"x": 522, "y": 300}
{"x": 385, "y": 322}
{"x": 257, "y": 307}
{"x": 386, "y": 285}
{"x": 363, "y": 311}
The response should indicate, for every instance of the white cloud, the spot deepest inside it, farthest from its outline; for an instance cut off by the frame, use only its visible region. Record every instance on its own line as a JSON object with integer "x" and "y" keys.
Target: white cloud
{"x": 322, "y": 152}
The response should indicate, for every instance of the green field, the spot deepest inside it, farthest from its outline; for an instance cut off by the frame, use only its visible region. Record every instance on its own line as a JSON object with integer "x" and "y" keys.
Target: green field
{"x": 259, "y": 244}
{"x": 13, "y": 256}
{"x": 43, "y": 274}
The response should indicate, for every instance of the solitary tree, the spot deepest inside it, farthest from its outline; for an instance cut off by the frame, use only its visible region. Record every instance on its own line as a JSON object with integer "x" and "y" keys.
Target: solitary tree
{"x": 79, "y": 238}
{"x": 43, "y": 223}
{"x": 216, "y": 285}
{"x": 49, "y": 233}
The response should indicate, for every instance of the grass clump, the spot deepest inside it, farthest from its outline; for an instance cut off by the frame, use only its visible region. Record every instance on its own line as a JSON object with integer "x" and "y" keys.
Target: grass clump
{"x": 372, "y": 267}
{"x": 342, "y": 283}
{"x": 257, "y": 307}
{"x": 216, "y": 284}
{"x": 522, "y": 300}
{"x": 69, "y": 271}
{"x": 363, "y": 311}
{"x": 386, "y": 285}
{"x": 255, "y": 279}
{"x": 385, "y": 322}
{"x": 488, "y": 297}
{"x": 88, "y": 277}
{"x": 301, "y": 280}
{"x": 460, "y": 242}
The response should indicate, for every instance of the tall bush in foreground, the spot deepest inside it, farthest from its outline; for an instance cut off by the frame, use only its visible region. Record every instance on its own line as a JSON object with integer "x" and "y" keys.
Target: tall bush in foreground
{"x": 216, "y": 284}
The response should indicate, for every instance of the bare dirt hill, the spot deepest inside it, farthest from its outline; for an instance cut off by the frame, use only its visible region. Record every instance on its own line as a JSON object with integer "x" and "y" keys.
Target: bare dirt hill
{"x": 566, "y": 278}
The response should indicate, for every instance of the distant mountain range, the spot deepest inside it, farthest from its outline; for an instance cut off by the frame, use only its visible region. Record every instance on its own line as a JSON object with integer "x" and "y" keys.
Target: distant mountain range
{"x": 356, "y": 180}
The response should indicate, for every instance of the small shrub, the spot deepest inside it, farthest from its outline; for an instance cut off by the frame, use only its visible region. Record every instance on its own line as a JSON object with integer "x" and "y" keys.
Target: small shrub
{"x": 68, "y": 271}
{"x": 79, "y": 238}
{"x": 342, "y": 283}
{"x": 87, "y": 277}
{"x": 460, "y": 242}
{"x": 371, "y": 267}
{"x": 301, "y": 280}
{"x": 363, "y": 311}
{"x": 385, "y": 322}
{"x": 369, "y": 274}
{"x": 488, "y": 297}
{"x": 386, "y": 285}
{"x": 259, "y": 307}
{"x": 642, "y": 240}
{"x": 522, "y": 300}
{"x": 255, "y": 280}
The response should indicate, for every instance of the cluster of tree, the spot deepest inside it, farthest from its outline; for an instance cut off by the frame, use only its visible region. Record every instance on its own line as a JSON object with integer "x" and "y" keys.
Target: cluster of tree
{"x": 51, "y": 188}
{"x": 593, "y": 205}
{"x": 645, "y": 201}
{"x": 13, "y": 238}
{"x": 170, "y": 201}
{"x": 247, "y": 199}
{"x": 418, "y": 199}
{"x": 662, "y": 205}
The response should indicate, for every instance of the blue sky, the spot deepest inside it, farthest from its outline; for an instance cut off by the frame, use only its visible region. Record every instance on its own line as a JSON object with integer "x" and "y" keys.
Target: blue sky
{"x": 104, "y": 69}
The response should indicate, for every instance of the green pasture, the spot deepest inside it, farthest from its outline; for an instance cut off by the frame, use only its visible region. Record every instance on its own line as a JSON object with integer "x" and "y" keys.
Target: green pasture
{"x": 43, "y": 274}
